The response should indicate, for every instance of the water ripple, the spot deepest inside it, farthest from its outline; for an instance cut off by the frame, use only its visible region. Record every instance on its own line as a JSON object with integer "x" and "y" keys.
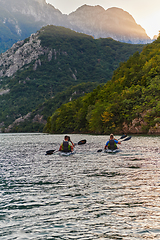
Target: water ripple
{"x": 89, "y": 195}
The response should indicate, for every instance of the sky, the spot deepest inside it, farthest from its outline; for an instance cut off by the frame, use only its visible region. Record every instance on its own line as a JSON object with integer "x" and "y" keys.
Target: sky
{"x": 146, "y": 13}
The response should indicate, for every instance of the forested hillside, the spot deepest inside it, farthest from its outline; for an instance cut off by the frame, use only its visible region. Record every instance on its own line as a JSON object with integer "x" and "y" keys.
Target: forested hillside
{"x": 50, "y": 61}
{"x": 36, "y": 120}
{"x": 129, "y": 103}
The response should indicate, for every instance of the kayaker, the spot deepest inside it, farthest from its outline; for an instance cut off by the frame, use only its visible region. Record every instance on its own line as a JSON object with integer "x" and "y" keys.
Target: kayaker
{"x": 66, "y": 146}
{"x": 112, "y": 143}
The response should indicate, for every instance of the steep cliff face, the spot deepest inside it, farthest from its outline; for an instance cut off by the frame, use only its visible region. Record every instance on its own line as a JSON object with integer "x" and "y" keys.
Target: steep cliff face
{"x": 19, "y": 19}
{"x": 20, "y": 54}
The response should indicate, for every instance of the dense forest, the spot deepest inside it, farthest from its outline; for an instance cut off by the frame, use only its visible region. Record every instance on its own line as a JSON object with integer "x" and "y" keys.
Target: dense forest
{"x": 30, "y": 124}
{"x": 76, "y": 58}
{"x": 129, "y": 103}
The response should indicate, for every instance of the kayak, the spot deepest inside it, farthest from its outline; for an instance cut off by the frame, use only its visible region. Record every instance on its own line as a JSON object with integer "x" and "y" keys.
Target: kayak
{"x": 112, "y": 151}
{"x": 66, "y": 153}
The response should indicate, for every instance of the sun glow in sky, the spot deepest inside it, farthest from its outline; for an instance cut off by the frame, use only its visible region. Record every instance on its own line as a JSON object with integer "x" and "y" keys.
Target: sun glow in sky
{"x": 145, "y": 13}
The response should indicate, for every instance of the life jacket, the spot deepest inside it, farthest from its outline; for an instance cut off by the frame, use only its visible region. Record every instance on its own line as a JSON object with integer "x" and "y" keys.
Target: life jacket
{"x": 66, "y": 147}
{"x": 112, "y": 145}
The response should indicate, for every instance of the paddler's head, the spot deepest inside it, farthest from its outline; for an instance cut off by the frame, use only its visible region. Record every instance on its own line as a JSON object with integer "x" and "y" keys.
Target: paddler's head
{"x": 111, "y": 136}
{"x": 66, "y": 138}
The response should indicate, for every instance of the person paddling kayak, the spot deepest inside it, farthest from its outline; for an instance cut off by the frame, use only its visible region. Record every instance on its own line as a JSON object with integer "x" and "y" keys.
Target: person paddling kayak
{"x": 112, "y": 143}
{"x": 66, "y": 145}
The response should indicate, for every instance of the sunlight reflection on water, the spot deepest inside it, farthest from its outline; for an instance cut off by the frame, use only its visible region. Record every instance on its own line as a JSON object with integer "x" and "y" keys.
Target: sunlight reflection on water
{"x": 88, "y": 195}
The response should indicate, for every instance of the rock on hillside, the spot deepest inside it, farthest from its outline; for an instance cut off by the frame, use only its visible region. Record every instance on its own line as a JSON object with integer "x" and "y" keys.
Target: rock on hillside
{"x": 20, "y": 54}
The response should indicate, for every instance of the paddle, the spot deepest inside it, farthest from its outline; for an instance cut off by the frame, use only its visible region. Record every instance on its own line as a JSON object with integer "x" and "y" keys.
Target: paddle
{"x": 81, "y": 142}
{"x": 49, "y": 152}
{"x": 126, "y": 139}
{"x": 123, "y": 136}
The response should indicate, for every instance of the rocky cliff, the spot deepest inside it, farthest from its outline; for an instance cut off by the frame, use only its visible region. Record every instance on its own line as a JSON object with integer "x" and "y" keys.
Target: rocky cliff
{"x": 21, "y": 54}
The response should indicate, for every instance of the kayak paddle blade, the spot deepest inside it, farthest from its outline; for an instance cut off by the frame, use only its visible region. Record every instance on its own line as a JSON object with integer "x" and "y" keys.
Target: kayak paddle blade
{"x": 100, "y": 150}
{"x": 126, "y": 139}
{"x": 49, "y": 152}
{"x": 123, "y": 136}
{"x": 82, "y": 142}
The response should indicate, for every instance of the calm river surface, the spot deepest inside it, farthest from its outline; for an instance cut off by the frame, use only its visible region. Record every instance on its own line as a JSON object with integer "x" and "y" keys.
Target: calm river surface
{"x": 88, "y": 195}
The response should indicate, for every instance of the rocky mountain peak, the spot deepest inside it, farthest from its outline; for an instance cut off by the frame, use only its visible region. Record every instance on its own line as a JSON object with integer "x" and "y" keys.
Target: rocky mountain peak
{"x": 87, "y": 8}
{"x": 113, "y": 22}
{"x": 120, "y": 13}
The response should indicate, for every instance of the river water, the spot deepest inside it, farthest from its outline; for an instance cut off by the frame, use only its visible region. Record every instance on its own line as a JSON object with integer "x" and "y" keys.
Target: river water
{"x": 88, "y": 195}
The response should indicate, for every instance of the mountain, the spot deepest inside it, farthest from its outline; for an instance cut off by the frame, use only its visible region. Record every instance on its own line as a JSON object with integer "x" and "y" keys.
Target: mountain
{"x": 19, "y": 19}
{"x": 113, "y": 22}
{"x": 129, "y": 103}
{"x": 51, "y": 61}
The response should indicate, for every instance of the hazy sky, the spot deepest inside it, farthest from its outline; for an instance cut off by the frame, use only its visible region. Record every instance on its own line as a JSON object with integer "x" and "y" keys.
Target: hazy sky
{"x": 146, "y": 13}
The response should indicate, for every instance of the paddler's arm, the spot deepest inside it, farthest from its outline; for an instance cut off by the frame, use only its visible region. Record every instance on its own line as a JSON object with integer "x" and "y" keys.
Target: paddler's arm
{"x": 106, "y": 145}
{"x": 72, "y": 148}
{"x": 72, "y": 143}
{"x": 60, "y": 148}
{"x": 117, "y": 142}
